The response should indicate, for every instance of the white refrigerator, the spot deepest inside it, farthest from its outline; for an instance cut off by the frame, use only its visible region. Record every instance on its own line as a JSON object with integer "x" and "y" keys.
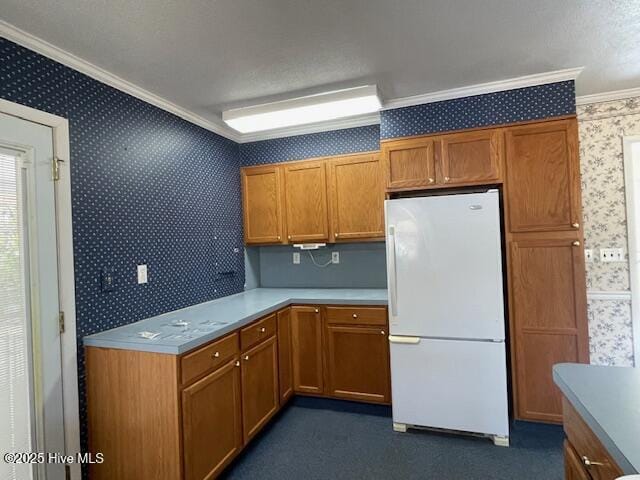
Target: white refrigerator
{"x": 446, "y": 314}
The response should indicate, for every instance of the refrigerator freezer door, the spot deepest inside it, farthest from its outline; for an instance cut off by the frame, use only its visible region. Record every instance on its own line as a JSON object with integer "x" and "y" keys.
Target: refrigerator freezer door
{"x": 452, "y": 384}
{"x": 445, "y": 266}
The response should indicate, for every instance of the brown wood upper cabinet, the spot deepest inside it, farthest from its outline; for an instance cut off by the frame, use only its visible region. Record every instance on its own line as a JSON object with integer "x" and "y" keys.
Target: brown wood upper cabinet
{"x": 409, "y": 163}
{"x": 263, "y": 204}
{"x": 306, "y": 348}
{"x": 470, "y": 157}
{"x": 356, "y": 194}
{"x": 543, "y": 177}
{"x": 211, "y": 422}
{"x": 306, "y": 201}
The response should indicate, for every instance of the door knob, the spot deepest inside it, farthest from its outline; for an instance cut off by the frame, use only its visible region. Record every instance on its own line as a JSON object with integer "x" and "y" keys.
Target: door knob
{"x": 262, "y": 330}
{"x": 317, "y": 310}
{"x": 216, "y": 355}
{"x": 432, "y": 180}
{"x": 237, "y": 363}
{"x": 575, "y": 225}
{"x": 446, "y": 179}
{"x": 246, "y": 357}
{"x": 355, "y": 315}
{"x": 576, "y": 243}
{"x": 382, "y": 332}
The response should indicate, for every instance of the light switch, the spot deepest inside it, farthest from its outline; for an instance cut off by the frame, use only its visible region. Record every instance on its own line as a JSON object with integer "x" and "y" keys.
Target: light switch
{"x": 588, "y": 254}
{"x": 335, "y": 257}
{"x": 142, "y": 274}
{"x": 611, "y": 255}
{"x": 296, "y": 258}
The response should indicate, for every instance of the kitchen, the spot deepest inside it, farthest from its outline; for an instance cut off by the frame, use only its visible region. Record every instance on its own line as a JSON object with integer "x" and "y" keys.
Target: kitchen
{"x": 413, "y": 291}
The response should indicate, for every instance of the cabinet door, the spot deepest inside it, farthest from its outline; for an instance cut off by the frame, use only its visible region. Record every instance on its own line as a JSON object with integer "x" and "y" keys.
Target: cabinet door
{"x": 356, "y": 195}
{"x": 306, "y": 202}
{"x": 211, "y": 422}
{"x": 306, "y": 346}
{"x": 285, "y": 367}
{"x": 262, "y": 203}
{"x": 573, "y": 468}
{"x": 549, "y": 319}
{"x": 358, "y": 363}
{"x": 543, "y": 177}
{"x": 470, "y": 158}
{"x": 260, "y": 398}
{"x": 409, "y": 163}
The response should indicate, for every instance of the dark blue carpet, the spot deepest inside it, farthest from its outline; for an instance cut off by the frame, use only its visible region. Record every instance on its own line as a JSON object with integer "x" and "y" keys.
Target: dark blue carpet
{"x": 325, "y": 439}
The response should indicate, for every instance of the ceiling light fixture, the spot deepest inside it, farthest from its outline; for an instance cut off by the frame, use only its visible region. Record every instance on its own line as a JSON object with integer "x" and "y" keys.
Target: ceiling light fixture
{"x": 303, "y": 110}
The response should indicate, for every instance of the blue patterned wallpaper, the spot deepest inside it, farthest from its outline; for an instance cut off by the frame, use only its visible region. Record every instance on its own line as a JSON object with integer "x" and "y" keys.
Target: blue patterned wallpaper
{"x": 531, "y": 103}
{"x": 335, "y": 142}
{"x": 147, "y": 187}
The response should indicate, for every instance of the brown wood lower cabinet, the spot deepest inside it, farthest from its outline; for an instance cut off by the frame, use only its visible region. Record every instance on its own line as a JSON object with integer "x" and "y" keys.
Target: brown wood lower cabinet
{"x": 285, "y": 364}
{"x": 260, "y": 398}
{"x": 186, "y": 417}
{"x": 212, "y": 422}
{"x": 585, "y": 458}
{"x": 306, "y": 349}
{"x": 358, "y": 363}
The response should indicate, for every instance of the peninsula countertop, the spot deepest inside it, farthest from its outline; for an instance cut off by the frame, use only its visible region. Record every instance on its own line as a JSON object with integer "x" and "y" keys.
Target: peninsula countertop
{"x": 608, "y": 400}
{"x": 183, "y": 330}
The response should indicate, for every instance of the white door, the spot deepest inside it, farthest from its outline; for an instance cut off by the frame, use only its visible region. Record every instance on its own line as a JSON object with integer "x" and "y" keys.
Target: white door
{"x": 31, "y": 408}
{"x": 444, "y": 265}
{"x": 451, "y": 384}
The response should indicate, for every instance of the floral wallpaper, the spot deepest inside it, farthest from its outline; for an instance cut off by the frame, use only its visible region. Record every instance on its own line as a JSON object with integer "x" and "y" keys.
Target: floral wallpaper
{"x": 602, "y": 126}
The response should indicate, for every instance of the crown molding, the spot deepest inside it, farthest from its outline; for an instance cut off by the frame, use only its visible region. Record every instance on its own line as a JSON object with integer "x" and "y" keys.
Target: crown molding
{"x": 483, "y": 88}
{"x": 43, "y": 47}
{"x": 340, "y": 124}
{"x": 608, "y": 96}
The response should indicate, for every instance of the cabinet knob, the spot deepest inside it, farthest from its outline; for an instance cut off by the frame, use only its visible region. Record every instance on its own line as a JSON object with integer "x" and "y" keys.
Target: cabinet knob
{"x": 576, "y": 243}
{"x": 289, "y": 237}
{"x": 317, "y": 311}
{"x": 589, "y": 463}
{"x": 263, "y": 329}
{"x": 278, "y": 237}
{"x": 446, "y": 179}
{"x": 246, "y": 357}
{"x": 216, "y": 355}
{"x": 575, "y": 225}
{"x": 382, "y": 332}
{"x": 335, "y": 235}
{"x": 237, "y": 363}
{"x": 355, "y": 315}
{"x": 432, "y": 180}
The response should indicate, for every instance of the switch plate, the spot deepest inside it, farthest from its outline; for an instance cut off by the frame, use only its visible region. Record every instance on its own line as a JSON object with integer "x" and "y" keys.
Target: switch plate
{"x": 611, "y": 255}
{"x": 588, "y": 254}
{"x": 335, "y": 257}
{"x": 296, "y": 258}
{"x": 142, "y": 274}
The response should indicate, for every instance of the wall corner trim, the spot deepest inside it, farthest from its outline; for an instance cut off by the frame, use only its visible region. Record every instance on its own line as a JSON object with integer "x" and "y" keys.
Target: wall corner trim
{"x": 70, "y": 60}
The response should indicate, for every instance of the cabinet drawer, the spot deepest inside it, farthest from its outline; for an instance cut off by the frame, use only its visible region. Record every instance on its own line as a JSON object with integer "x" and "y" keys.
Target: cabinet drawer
{"x": 586, "y": 444}
{"x": 194, "y": 364}
{"x": 357, "y": 315}
{"x": 258, "y": 331}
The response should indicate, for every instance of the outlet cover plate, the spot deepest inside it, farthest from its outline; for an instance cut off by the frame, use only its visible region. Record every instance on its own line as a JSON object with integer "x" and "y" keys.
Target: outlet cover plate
{"x": 335, "y": 257}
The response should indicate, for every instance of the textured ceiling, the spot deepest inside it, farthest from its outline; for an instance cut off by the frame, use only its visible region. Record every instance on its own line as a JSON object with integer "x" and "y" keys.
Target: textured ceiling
{"x": 210, "y": 55}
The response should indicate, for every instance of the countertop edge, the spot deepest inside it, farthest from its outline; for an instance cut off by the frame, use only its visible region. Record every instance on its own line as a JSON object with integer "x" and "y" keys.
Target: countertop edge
{"x": 88, "y": 341}
{"x": 593, "y": 424}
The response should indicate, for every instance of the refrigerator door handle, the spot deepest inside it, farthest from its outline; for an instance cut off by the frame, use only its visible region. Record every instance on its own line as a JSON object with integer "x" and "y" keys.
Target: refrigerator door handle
{"x": 409, "y": 340}
{"x": 393, "y": 288}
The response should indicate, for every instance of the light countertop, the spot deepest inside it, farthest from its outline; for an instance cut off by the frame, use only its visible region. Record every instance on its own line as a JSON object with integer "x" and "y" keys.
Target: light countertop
{"x": 608, "y": 400}
{"x": 183, "y": 330}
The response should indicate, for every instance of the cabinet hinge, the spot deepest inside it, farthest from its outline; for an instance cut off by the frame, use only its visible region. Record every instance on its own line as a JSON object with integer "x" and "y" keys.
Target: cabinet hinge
{"x": 55, "y": 168}
{"x": 61, "y": 322}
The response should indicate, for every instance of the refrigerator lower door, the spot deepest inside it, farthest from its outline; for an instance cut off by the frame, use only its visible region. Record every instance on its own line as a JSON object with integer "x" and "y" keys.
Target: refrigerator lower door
{"x": 450, "y": 384}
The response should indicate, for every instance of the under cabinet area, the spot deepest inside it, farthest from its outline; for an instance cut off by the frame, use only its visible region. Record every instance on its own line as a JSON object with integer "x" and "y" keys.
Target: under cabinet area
{"x": 331, "y": 199}
{"x": 189, "y": 415}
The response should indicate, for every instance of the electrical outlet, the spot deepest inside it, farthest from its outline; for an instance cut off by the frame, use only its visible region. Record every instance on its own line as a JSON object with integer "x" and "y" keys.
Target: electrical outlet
{"x": 296, "y": 258}
{"x": 142, "y": 274}
{"x": 588, "y": 254}
{"x": 335, "y": 257}
{"x": 611, "y": 255}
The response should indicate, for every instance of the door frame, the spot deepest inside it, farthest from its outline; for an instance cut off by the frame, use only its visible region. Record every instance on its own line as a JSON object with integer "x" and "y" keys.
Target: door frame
{"x": 66, "y": 279}
{"x": 633, "y": 247}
